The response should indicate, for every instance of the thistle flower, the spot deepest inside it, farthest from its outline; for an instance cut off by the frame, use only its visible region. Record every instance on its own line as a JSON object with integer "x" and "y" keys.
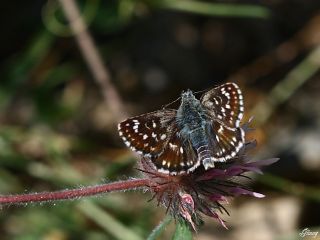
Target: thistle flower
{"x": 203, "y": 192}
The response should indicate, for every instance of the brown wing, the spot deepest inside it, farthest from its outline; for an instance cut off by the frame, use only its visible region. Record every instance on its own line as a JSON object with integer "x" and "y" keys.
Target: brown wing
{"x": 225, "y": 103}
{"x": 177, "y": 157}
{"x": 226, "y": 142}
{"x": 148, "y": 134}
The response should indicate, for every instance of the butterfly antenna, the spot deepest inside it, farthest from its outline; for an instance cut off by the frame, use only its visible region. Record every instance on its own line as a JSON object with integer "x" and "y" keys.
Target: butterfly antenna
{"x": 170, "y": 103}
{"x": 201, "y": 91}
{"x": 207, "y": 89}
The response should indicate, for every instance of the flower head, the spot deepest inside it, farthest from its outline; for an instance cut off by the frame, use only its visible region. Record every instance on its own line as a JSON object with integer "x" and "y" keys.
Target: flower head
{"x": 203, "y": 192}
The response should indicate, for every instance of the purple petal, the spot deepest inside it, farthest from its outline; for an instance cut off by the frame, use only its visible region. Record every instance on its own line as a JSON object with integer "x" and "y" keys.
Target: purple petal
{"x": 246, "y": 126}
{"x": 245, "y": 168}
{"x": 218, "y": 197}
{"x": 251, "y": 169}
{"x": 234, "y": 170}
{"x": 251, "y": 145}
{"x": 238, "y": 169}
{"x": 211, "y": 213}
{"x": 258, "y": 195}
{"x": 240, "y": 191}
{"x": 212, "y": 173}
{"x": 262, "y": 163}
{"x": 220, "y": 220}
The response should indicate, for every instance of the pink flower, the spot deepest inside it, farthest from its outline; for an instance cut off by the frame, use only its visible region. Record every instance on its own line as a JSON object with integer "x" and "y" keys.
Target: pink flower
{"x": 203, "y": 192}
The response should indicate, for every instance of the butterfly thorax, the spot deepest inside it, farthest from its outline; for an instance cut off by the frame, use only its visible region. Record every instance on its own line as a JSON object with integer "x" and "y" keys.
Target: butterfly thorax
{"x": 192, "y": 120}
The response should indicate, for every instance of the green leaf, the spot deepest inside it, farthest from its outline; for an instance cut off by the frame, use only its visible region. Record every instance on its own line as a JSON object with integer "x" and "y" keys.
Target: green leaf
{"x": 110, "y": 224}
{"x": 159, "y": 229}
{"x": 182, "y": 232}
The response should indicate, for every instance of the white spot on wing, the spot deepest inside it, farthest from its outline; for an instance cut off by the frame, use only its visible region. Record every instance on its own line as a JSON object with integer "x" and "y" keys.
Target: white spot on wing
{"x": 163, "y": 136}
{"x": 209, "y": 104}
{"x": 173, "y": 146}
{"x": 181, "y": 150}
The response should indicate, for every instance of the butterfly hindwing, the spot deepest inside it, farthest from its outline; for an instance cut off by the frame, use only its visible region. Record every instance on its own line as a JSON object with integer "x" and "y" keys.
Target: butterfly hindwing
{"x": 226, "y": 142}
{"x": 177, "y": 157}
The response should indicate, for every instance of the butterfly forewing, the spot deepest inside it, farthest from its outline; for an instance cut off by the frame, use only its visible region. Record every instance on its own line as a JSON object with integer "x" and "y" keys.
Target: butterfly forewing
{"x": 225, "y": 103}
{"x": 147, "y": 134}
{"x": 226, "y": 141}
{"x": 177, "y": 157}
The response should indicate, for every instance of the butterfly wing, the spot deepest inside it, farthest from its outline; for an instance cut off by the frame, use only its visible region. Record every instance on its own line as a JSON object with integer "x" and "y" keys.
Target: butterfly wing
{"x": 177, "y": 158}
{"x": 225, "y": 103}
{"x": 148, "y": 134}
{"x": 226, "y": 142}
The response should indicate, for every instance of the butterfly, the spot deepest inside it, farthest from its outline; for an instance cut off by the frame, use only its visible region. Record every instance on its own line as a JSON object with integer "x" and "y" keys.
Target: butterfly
{"x": 199, "y": 132}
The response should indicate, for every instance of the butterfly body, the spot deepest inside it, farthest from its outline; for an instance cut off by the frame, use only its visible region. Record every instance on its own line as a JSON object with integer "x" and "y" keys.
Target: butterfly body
{"x": 192, "y": 121}
{"x": 199, "y": 132}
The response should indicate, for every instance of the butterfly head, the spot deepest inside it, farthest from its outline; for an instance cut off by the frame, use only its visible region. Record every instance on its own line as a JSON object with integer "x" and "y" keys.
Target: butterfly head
{"x": 187, "y": 96}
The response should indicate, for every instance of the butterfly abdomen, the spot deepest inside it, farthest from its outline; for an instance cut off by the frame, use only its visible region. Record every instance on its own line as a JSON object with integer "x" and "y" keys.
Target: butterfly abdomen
{"x": 204, "y": 156}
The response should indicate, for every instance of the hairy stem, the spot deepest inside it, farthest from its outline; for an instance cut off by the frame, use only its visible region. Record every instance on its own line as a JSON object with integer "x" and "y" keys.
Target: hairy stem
{"x": 74, "y": 193}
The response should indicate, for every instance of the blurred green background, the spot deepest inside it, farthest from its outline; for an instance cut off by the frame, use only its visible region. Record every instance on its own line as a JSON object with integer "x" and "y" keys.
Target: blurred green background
{"x": 57, "y": 131}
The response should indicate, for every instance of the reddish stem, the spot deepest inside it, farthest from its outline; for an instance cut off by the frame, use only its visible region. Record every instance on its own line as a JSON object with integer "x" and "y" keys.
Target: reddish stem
{"x": 74, "y": 193}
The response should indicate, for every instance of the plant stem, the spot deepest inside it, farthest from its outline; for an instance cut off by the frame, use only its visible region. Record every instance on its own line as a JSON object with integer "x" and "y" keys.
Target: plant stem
{"x": 74, "y": 193}
{"x": 93, "y": 59}
{"x": 216, "y": 9}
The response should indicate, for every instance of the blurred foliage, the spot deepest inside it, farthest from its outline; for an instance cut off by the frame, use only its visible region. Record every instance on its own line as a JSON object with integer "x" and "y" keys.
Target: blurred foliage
{"x": 156, "y": 233}
{"x": 55, "y": 131}
{"x": 182, "y": 232}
